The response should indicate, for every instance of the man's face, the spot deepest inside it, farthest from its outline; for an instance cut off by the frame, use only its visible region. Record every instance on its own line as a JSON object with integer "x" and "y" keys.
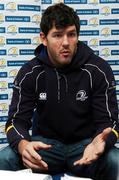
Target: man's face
{"x": 61, "y": 45}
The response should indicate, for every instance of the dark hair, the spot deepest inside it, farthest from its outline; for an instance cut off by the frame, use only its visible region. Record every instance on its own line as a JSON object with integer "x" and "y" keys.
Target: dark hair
{"x": 60, "y": 16}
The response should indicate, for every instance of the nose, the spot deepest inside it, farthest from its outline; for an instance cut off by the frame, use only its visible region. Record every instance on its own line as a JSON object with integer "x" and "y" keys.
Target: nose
{"x": 65, "y": 41}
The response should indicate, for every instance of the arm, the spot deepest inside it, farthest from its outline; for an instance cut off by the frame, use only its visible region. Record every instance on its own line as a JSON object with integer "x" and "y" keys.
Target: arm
{"x": 104, "y": 104}
{"x": 21, "y": 108}
{"x": 19, "y": 121}
{"x": 104, "y": 115}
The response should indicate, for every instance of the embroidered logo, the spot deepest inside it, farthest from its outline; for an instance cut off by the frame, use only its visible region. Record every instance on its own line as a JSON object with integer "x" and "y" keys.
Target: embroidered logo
{"x": 81, "y": 95}
{"x": 42, "y": 96}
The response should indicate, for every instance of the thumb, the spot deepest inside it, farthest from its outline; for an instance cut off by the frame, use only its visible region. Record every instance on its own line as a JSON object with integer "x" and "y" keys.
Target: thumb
{"x": 42, "y": 145}
{"x": 106, "y": 133}
{"x": 45, "y": 146}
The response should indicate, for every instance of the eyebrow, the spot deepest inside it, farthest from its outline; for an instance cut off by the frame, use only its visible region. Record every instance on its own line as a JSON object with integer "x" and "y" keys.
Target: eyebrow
{"x": 61, "y": 31}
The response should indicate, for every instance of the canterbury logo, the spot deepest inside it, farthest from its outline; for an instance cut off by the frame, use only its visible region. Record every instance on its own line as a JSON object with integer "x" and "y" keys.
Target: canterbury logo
{"x": 42, "y": 96}
{"x": 81, "y": 95}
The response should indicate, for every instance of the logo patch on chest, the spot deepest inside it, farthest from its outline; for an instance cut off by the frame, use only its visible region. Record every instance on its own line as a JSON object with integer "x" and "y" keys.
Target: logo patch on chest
{"x": 43, "y": 96}
{"x": 81, "y": 95}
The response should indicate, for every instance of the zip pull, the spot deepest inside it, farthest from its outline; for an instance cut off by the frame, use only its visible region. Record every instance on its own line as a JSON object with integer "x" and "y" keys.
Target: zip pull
{"x": 58, "y": 85}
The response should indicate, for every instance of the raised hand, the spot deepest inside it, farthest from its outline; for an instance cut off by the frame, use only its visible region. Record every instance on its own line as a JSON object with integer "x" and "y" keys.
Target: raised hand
{"x": 93, "y": 151}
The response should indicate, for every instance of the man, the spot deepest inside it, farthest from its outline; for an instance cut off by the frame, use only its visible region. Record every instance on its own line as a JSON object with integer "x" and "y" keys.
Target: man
{"x": 73, "y": 94}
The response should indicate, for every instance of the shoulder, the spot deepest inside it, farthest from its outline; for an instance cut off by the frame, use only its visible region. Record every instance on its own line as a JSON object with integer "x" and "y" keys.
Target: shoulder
{"x": 28, "y": 73}
{"x": 32, "y": 65}
{"x": 30, "y": 68}
{"x": 97, "y": 64}
{"x": 100, "y": 71}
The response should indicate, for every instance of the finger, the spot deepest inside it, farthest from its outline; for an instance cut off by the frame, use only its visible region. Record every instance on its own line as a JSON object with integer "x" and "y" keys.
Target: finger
{"x": 31, "y": 165}
{"x": 30, "y": 154}
{"x": 44, "y": 164}
{"x": 26, "y": 155}
{"x": 37, "y": 158}
{"x": 33, "y": 154}
{"x": 83, "y": 162}
{"x": 41, "y": 145}
{"x": 77, "y": 163}
{"x": 106, "y": 133}
{"x": 30, "y": 158}
{"x": 80, "y": 162}
{"x": 86, "y": 160}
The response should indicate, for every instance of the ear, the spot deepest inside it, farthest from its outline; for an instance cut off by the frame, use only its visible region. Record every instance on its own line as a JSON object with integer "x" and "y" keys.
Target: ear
{"x": 43, "y": 38}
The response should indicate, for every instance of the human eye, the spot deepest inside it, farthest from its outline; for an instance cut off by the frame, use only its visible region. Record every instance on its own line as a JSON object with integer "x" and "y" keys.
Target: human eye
{"x": 72, "y": 34}
{"x": 57, "y": 35}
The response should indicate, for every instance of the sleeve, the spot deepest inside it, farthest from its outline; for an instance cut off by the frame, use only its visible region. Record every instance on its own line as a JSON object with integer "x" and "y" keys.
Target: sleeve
{"x": 21, "y": 108}
{"x": 104, "y": 103}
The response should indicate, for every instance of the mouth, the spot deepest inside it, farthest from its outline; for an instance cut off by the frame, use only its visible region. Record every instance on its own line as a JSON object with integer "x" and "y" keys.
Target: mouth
{"x": 65, "y": 53}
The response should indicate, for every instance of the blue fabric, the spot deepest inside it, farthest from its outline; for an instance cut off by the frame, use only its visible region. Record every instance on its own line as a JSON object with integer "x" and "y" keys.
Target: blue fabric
{"x": 61, "y": 156}
{"x": 58, "y": 177}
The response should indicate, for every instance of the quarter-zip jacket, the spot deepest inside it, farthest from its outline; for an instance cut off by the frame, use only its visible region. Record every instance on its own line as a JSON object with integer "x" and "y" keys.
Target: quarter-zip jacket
{"x": 73, "y": 103}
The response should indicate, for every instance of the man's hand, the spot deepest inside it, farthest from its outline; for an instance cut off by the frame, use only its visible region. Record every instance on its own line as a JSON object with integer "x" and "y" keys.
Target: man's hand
{"x": 30, "y": 157}
{"x": 93, "y": 151}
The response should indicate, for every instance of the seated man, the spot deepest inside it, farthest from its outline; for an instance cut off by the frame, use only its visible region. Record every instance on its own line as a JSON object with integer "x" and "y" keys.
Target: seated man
{"x": 73, "y": 92}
